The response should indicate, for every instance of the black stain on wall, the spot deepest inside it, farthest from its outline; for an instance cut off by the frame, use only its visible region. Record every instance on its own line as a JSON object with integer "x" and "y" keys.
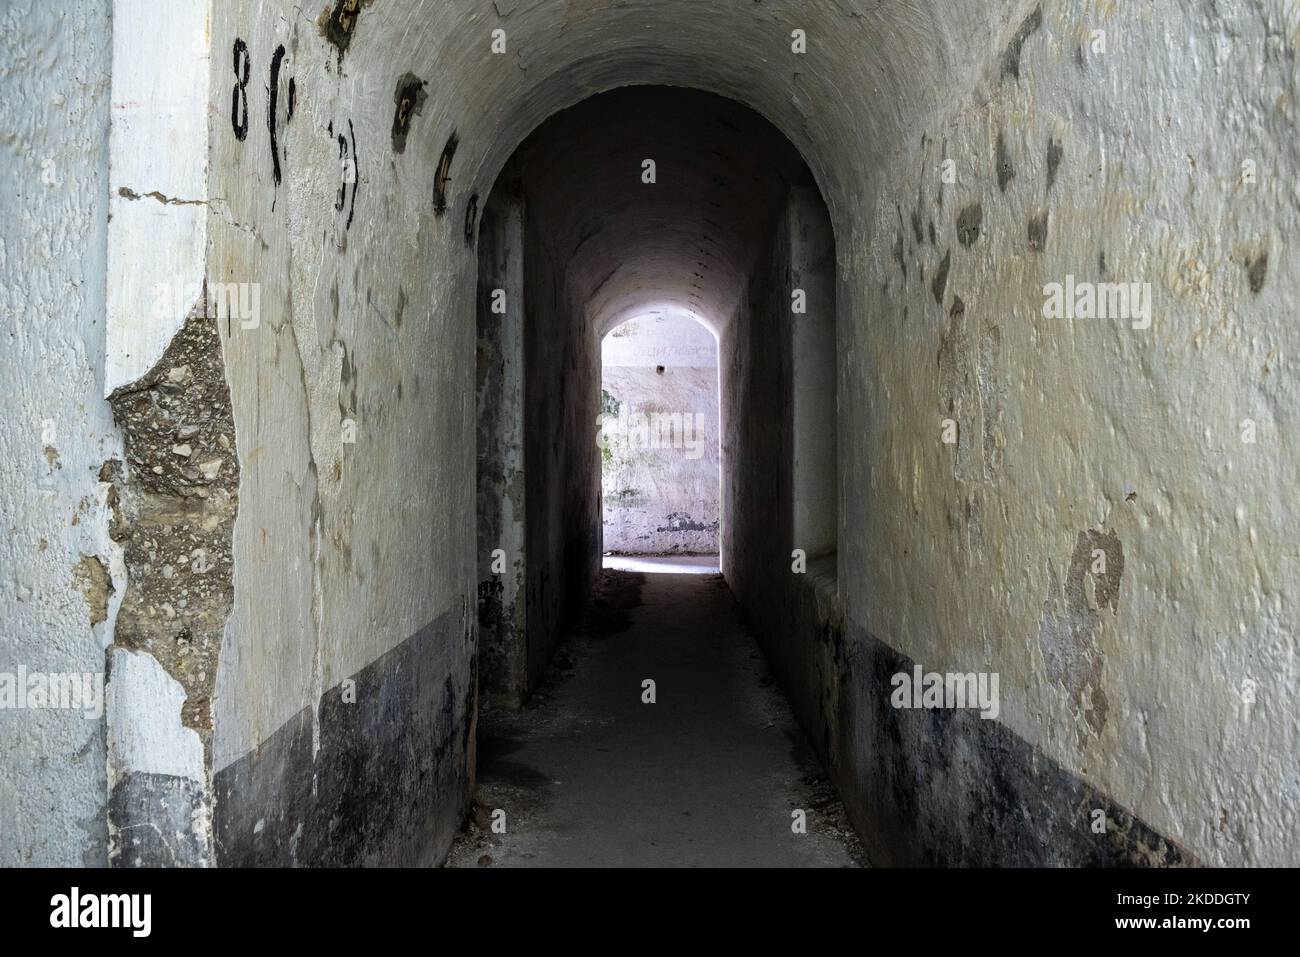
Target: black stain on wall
{"x": 351, "y": 172}
{"x": 471, "y": 219}
{"x": 408, "y": 100}
{"x": 387, "y": 785}
{"x": 1037, "y": 230}
{"x": 941, "y": 278}
{"x": 682, "y": 522}
{"x": 158, "y": 811}
{"x": 1011, "y": 58}
{"x": 969, "y": 222}
{"x": 1257, "y": 271}
{"x": 1055, "y": 152}
{"x": 339, "y": 25}
{"x": 1016, "y": 806}
{"x": 356, "y": 167}
{"x": 443, "y": 176}
{"x": 1006, "y": 170}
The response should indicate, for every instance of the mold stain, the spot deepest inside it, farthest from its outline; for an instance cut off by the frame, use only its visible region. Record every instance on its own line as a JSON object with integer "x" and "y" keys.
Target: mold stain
{"x": 1011, "y": 57}
{"x": 1055, "y": 153}
{"x": 339, "y": 25}
{"x": 471, "y": 219}
{"x": 1257, "y": 272}
{"x": 1006, "y": 170}
{"x": 969, "y": 222}
{"x": 1037, "y": 231}
{"x": 940, "y": 284}
{"x": 682, "y": 522}
{"x": 916, "y": 218}
{"x": 408, "y": 99}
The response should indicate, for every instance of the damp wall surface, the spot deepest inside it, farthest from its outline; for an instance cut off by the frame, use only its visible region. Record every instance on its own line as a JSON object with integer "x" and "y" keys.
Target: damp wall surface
{"x": 562, "y": 477}
{"x": 778, "y": 551}
{"x": 502, "y": 552}
{"x": 1104, "y": 533}
{"x": 59, "y": 578}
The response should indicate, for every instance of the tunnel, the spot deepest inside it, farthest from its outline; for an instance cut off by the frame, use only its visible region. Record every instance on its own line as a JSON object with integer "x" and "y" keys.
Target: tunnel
{"x": 951, "y": 339}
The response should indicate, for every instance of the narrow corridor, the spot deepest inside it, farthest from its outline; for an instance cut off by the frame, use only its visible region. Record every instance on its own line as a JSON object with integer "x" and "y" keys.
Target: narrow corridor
{"x": 342, "y": 341}
{"x": 707, "y": 776}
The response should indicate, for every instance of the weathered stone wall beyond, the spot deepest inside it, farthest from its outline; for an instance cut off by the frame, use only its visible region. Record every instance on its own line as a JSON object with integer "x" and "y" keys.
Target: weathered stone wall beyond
{"x": 660, "y": 463}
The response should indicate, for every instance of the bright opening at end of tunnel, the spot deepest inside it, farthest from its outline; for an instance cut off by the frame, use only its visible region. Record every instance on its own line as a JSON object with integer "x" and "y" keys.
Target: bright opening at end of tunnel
{"x": 659, "y": 438}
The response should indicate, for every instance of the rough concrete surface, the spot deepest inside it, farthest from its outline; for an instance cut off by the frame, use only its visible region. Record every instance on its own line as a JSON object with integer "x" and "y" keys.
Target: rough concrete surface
{"x": 707, "y": 776}
{"x": 56, "y": 431}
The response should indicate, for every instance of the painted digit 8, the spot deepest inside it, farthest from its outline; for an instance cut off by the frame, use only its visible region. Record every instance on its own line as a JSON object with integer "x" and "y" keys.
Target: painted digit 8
{"x": 240, "y": 93}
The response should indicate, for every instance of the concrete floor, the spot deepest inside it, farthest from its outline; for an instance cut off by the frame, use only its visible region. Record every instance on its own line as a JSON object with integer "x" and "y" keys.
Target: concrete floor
{"x": 664, "y": 564}
{"x": 707, "y": 776}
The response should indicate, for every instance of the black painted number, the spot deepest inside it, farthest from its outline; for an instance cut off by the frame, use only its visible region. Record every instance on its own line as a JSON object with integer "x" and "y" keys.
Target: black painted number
{"x": 239, "y": 96}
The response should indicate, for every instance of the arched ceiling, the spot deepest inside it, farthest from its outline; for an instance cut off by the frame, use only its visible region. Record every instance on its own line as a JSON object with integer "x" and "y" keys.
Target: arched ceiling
{"x": 869, "y": 70}
{"x": 684, "y": 244}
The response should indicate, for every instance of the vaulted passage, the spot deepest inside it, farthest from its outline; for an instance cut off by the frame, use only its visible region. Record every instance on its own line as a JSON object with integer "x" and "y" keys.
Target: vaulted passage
{"x": 686, "y": 212}
{"x": 950, "y": 338}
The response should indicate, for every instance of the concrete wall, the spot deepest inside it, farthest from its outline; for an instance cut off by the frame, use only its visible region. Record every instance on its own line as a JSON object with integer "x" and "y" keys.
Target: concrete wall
{"x": 562, "y": 478}
{"x": 813, "y": 359}
{"x": 660, "y": 466}
{"x": 502, "y": 583}
{"x": 779, "y": 406}
{"x": 1165, "y": 681}
{"x": 1076, "y": 439}
{"x": 350, "y": 647}
{"x": 60, "y": 579}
